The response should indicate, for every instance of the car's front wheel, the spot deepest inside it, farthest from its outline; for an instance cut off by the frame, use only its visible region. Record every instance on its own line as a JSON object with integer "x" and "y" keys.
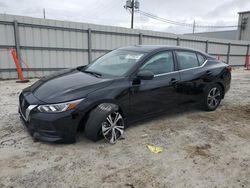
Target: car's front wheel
{"x": 113, "y": 127}
{"x": 213, "y": 97}
{"x": 105, "y": 121}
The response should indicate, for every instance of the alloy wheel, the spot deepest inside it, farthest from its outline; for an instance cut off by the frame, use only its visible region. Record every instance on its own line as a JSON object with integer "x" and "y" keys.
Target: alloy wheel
{"x": 214, "y": 97}
{"x": 113, "y": 127}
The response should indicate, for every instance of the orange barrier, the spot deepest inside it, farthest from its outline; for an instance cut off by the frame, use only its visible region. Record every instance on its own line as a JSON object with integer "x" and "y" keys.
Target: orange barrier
{"x": 18, "y": 67}
{"x": 247, "y": 65}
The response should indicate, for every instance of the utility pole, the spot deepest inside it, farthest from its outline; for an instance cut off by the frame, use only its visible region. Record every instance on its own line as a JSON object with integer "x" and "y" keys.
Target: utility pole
{"x": 132, "y": 4}
{"x": 193, "y": 26}
{"x": 44, "y": 17}
{"x": 132, "y": 15}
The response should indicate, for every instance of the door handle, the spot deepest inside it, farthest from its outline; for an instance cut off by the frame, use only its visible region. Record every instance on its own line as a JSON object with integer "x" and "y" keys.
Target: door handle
{"x": 208, "y": 73}
{"x": 173, "y": 81}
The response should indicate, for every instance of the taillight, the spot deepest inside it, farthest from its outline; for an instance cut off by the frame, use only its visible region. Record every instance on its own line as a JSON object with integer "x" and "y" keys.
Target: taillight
{"x": 229, "y": 68}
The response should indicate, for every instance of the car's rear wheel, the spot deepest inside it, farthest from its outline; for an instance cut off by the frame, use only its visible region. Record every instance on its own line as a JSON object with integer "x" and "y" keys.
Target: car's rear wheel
{"x": 105, "y": 121}
{"x": 213, "y": 97}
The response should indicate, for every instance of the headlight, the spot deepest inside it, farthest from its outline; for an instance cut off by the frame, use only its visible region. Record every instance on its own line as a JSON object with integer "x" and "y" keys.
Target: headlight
{"x": 60, "y": 107}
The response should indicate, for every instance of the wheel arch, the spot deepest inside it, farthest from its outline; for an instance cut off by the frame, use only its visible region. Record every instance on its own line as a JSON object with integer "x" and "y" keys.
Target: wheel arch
{"x": 114, "y": 104}
{"x": 223, "y": 88}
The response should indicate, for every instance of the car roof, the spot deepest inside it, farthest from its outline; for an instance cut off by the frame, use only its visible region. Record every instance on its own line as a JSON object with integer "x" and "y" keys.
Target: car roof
{"x": 150, "y": 48}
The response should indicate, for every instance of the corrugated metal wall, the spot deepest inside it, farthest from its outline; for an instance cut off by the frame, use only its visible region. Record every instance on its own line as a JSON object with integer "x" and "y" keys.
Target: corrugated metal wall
{"x": 50, "y": 45}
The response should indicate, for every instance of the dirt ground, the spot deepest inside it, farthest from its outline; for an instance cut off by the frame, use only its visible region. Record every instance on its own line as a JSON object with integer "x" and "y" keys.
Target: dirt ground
{"x": 200, "y": 149}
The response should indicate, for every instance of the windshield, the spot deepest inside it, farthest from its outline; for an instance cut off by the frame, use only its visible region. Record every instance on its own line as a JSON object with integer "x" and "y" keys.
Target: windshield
{"x": 115, "y": 63}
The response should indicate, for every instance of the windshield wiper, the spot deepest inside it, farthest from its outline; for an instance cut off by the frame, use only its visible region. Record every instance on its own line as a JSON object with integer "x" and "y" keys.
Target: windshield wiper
{"x": 96, "y": 74}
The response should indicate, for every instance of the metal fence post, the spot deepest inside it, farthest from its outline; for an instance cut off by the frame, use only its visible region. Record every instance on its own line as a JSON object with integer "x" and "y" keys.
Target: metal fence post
{"x": 247, "y": 54}
{"x": 178, "y": 41}
{"x": 17, "y": 40}
{"x": 140, "y": 39}
{"x": 206, "y": 49}
{"x": 89, "y": 46}
{"x": 228, "y": 52}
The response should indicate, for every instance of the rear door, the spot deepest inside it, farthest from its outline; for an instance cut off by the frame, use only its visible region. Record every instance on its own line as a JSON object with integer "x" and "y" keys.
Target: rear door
{"x": 192, "y": 72}
{"x": 159, "y": 94}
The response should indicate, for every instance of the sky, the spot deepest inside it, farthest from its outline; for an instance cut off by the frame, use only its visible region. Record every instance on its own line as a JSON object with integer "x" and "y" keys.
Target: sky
{"x": 112, "y": 12}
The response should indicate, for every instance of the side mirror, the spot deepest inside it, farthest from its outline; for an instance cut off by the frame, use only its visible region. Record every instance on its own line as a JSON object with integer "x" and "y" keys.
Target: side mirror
{"x": 145, "y": 75}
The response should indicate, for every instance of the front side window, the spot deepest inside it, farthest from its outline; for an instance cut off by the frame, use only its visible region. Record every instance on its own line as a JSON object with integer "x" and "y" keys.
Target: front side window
{"x": 115, "y": 63}
{"x": 160, "y": 63}
{"x": 187, "y": 59}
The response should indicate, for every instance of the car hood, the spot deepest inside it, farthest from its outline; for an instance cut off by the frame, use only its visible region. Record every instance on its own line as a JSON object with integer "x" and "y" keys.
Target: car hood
{"x": 66, "y": 85}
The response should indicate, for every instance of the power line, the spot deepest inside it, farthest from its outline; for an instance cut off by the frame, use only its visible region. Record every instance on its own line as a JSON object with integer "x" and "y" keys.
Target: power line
{"x": 152, "y": 16}
{"x": 163, "y": 19}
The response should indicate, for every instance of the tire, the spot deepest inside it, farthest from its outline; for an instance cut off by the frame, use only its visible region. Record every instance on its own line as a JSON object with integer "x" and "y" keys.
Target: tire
{"x": 213, "y": 96}
{"x": 101, "y": 123}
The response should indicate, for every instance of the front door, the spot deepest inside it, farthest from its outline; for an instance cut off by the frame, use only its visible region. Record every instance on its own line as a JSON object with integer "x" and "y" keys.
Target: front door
{"x": 159, "y": 94}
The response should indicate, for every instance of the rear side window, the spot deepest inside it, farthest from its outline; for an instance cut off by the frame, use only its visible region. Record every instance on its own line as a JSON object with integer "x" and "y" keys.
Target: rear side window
{"x": 201, "y": 58}
{"x": 160, "y": 63}
{"x": 187, "y": 59}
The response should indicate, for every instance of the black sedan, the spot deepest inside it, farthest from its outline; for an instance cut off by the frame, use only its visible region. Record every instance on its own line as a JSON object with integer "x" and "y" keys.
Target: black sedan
{"x": 123, "y": 86}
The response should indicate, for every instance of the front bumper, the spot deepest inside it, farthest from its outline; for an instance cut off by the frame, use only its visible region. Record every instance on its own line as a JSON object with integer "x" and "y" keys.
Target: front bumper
{"x": 51, "y": 127}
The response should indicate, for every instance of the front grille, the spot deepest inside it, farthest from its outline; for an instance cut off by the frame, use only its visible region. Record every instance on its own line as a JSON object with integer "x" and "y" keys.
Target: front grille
{"x": 23, "y": 104}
